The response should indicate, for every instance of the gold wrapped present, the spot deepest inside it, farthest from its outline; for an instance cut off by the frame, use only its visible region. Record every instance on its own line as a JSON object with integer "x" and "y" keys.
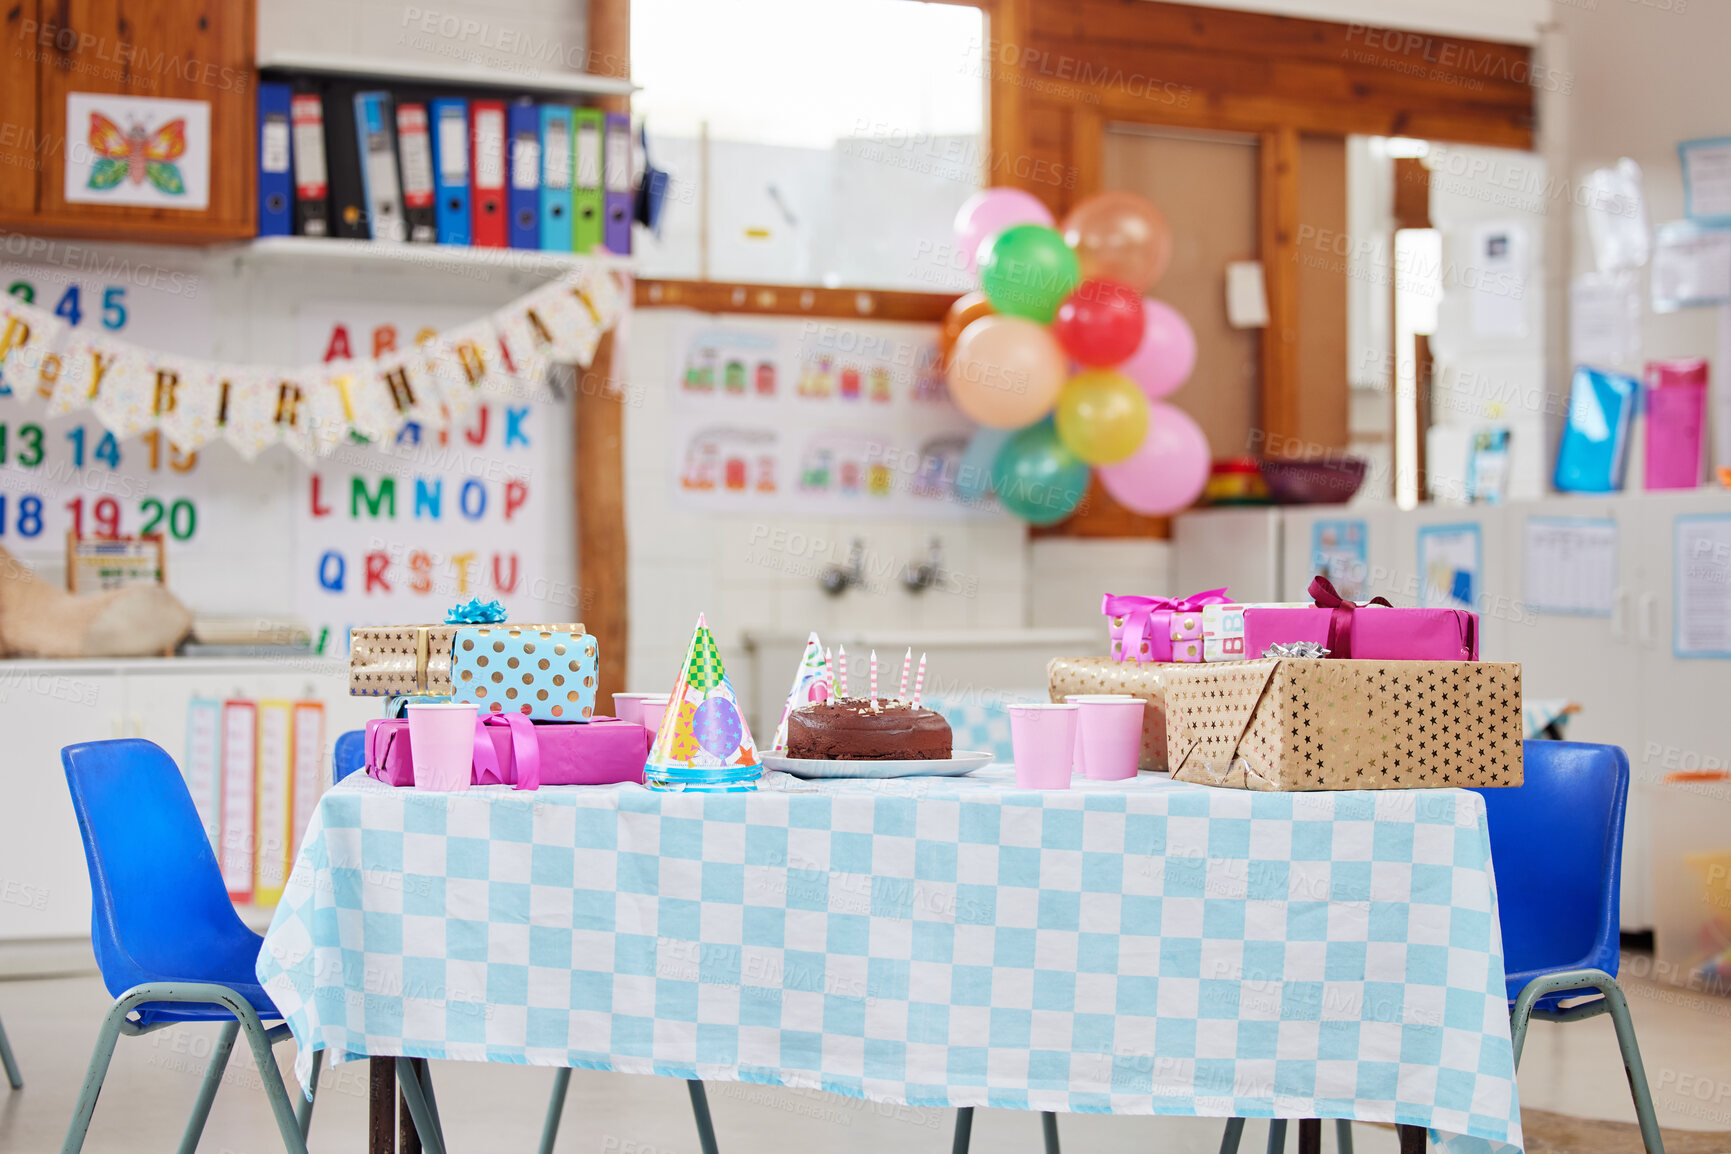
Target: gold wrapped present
{"x": 388, "y": 660}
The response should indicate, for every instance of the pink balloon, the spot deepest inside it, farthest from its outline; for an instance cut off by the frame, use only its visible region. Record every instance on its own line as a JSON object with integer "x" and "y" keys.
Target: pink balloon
{"x": 1167, "y": 354}
{"x": 1167, "y": 473}
{"x": 989, "y": 212}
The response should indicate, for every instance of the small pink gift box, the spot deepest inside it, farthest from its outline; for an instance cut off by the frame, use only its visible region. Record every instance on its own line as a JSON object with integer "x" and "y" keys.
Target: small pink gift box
{"x": 1157, "y": 628}
{"x": 1371, "y": 632}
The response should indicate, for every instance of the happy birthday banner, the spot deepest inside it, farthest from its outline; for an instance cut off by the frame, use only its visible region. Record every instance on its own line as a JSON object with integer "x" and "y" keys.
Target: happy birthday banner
{"x": 316, "y": 408}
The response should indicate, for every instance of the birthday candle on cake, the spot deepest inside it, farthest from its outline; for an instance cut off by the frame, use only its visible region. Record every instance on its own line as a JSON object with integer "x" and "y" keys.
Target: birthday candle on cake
{"x": 874, "y": 677}
{"x": 919, "y": 680}
{"x": 841, "y": 670}
{"x": 907, "y": 663}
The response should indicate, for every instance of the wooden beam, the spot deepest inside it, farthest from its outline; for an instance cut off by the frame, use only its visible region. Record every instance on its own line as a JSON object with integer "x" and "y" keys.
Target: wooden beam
{"x": 793, "y": 300}
{"x": 598, "y": 504}
{"x": 1278, "y": 197}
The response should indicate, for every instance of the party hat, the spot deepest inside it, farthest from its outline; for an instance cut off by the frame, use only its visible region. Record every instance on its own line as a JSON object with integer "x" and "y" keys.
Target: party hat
{"x": 812, "y": 681}
{"x": 704, "y": 742}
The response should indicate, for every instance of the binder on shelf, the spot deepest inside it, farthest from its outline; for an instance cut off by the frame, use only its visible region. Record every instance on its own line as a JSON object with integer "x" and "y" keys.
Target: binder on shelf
{"x": 487, "y": 180}
{"x": 589, "y": 124}
{"x": 312, "y": 192}
{"x": 451, "y": 166}
{"x": 415, "y": 155}
{"x": 275, "y": 175}
{"x": 524, "y": 198}
{"x": 375, "y": 130}
{"x": 616, "y": 179}
{"x": 343, "y": 157}
{"x": 275, "y": 808}
{"x": 556, "y": 178}
{"x": 239, "y": 761}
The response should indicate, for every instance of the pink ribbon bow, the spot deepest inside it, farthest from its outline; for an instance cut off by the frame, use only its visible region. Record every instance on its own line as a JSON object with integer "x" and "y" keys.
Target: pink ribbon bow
{"x": 525, "y": 752}
{"x": 1142, "y": 614}
{"x": 1323, "y": 593}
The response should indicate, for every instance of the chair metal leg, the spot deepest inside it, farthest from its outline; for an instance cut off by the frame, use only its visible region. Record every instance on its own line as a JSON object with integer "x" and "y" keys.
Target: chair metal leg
{"x": 417, "y": 1104}
{"x": 13, "y": 1077}
{"x": 555, "y": 1108}
{"x": 304, "y": 1104}
{"x": 700, "y": 1112}
{"x": 1232, "y": 1136}
{"x": 207, "y": 1089}
{"x": 85, "y": 1107}
{"x": 425, "y": 1069}
{"x": 1276, "y": 1135}
{"x": 964, "y": 1130}
{"x": 1343, "y": 1135}
{"x": 1049, "y": 1128}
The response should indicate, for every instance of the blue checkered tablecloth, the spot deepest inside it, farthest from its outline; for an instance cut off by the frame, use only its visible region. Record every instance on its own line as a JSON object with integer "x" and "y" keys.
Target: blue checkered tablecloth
{"x": 1136, "y": 947}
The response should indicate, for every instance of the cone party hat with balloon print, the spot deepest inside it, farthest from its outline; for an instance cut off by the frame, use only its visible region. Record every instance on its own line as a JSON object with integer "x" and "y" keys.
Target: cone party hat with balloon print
{"x": 812, "y": 681}
{"x": 704, "y": 742}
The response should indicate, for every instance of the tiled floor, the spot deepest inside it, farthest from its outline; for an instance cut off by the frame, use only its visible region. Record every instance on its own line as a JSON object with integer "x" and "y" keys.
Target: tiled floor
{"x": 1571, "y": 1070}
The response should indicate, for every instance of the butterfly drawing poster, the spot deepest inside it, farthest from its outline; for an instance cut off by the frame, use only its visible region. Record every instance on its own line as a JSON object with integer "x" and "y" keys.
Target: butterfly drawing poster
{"x": 137, "y": 150}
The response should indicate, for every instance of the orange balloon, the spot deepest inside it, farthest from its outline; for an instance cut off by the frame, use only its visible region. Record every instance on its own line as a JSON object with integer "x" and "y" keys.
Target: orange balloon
{"x": 1006, "y": 372}
{"x": 1120, "y": 236}
{"x": 969, "y": 307}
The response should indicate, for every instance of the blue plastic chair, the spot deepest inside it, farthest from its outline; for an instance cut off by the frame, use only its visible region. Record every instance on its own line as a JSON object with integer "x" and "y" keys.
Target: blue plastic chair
{"x": 167, "y": 939}
{"x": 13, "y": 1077}
{"x": 349, "y": 754}
{"x": 1557, "y": 846}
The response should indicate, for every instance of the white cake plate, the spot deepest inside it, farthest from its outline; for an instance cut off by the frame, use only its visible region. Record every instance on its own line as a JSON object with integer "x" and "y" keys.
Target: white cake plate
{"x": 961, "y": 761}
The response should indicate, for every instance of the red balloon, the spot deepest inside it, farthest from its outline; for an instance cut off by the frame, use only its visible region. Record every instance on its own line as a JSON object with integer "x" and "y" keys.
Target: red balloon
{"x": 1101, "y": 323}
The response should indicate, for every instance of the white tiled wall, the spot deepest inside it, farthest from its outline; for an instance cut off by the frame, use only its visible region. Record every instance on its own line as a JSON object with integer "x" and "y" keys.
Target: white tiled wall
{"x": 761, "y": 573}
{"x": 1067, "y": 577}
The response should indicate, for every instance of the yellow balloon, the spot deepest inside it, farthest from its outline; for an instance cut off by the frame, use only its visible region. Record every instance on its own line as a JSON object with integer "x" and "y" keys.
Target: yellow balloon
{"x": 1102, "y": 416}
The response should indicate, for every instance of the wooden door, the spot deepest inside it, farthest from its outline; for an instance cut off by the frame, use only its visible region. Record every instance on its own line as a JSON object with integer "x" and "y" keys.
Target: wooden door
{"x": 1206, "y": 185}
{"x": 180, "y": 49}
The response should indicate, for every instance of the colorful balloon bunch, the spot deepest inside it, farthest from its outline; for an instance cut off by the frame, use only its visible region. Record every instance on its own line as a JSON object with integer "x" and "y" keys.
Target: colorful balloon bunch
{"x": 1063, "y": 360}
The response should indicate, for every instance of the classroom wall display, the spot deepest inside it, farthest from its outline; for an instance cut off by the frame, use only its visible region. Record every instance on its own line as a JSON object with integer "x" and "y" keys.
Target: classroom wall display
{"x": 137, "y": 150}
{"x": 1337, "y": 551}
{"x": 401, "y": 530}
{"x": 317, "y": 407}
{"x": 817, "y": 417}
{"x": 1449, "y": 563}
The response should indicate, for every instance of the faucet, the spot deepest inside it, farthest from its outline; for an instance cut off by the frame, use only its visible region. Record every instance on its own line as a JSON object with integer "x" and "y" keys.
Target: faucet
{"x": 918, "y": 578}
{"x": 837, "y": 578}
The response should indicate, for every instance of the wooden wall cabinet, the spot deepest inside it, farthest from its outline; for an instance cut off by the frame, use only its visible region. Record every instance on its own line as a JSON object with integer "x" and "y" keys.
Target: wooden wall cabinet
{"x": 180, "y": 49}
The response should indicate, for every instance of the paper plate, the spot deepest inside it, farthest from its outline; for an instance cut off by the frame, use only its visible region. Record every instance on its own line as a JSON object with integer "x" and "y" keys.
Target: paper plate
{"x": 961, "y": 761}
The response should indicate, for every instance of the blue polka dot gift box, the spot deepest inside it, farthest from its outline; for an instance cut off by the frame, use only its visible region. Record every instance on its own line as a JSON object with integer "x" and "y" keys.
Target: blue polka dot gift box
{"x": 545, "y": 672}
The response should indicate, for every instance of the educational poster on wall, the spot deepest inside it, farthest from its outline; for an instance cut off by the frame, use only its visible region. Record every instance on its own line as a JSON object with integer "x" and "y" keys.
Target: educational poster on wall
{"x": 1702, "y": 564}
{"x": 137, "y": 150}
{"x": 1337, "y": 551}
{"x": 399, "y": 533}
{"x": 1449, "y": 566}
{"x": 70, "y": 473}
{"x": 814, "y": 416}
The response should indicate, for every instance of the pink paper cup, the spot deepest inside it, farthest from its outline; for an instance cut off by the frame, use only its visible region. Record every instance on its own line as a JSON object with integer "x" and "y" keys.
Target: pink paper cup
{"x": 654, "y": 707}
{"x": 442, "y": 744}
{"x": 1110, "y": 730}
{"x": 629, "y": 706}
{"x": 1043, "y": 742}
{"x": 1074, "y": 698}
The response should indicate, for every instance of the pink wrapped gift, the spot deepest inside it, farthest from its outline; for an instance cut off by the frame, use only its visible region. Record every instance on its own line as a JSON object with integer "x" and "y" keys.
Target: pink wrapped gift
{"x": 1154, "y": 628}
{"x": 511, "y": 750}
{"x": 1373, "y": 632}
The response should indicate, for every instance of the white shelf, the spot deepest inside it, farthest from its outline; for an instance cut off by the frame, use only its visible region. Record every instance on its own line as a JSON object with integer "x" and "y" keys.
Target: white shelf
{"x": 547, "y": 81}
{"x": 456, "y": 259}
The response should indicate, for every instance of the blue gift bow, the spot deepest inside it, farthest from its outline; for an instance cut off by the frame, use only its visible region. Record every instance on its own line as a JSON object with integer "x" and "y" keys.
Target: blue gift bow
{"x": 475, "y": 612}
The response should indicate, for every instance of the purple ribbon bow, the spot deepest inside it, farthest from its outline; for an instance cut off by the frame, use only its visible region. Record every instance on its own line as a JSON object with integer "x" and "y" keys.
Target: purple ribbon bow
{"x": 525, "y": 752}
{"x": 1149, "y": 619}
{"x": 1323, "y": 593}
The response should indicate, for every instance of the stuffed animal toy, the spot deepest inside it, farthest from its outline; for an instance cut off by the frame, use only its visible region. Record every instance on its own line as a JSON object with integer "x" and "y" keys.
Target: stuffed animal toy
{"x": 42, "y": 620}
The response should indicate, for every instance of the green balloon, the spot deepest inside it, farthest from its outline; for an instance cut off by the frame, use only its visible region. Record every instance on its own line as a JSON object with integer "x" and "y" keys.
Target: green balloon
{"x": 1027, "y": 270}
{"x": 1037, "y": 478}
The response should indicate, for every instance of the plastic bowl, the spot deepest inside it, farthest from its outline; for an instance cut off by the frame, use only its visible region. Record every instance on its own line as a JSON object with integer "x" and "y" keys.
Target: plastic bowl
{"x": 1325, "y": 481}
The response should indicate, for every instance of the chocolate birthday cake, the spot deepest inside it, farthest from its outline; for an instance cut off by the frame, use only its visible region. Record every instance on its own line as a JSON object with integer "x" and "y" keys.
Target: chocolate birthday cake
{"x": 858, "y": 729}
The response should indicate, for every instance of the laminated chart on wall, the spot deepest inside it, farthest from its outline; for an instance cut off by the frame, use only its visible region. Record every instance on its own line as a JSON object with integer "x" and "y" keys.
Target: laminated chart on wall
{"x": 1570, "y": 566}
{"x": 272, "y": 832}
{"x": 309, "y": 757}
{"x": 818, "y": 417}
{"x": 239, "y": 765}
{"x": 1702, "y": 570}
{"x": 401, "y": 532}
{"x": 1338, "y": 552}
{"x": 202, "y": 767}
{"x": 1449, "y": 566}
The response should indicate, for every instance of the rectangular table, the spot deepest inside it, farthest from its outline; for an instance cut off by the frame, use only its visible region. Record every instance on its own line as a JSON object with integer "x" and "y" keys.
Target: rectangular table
{"x": 1137, "y": 947}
